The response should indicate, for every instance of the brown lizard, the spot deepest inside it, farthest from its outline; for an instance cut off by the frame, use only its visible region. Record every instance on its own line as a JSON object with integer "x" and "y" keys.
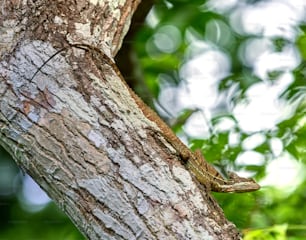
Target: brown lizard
{"x": 195, "y": 162}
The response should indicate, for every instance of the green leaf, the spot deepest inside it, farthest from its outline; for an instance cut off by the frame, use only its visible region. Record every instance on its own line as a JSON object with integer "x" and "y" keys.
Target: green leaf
{"x": 277, "y": 232}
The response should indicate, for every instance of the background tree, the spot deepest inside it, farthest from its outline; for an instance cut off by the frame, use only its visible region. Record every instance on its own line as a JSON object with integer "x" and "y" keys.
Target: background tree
{"x": 163, "y": 51}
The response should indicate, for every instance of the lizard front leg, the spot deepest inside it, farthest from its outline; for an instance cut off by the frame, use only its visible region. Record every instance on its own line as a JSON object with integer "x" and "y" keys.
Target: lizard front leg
{"x": 213, "y": 180}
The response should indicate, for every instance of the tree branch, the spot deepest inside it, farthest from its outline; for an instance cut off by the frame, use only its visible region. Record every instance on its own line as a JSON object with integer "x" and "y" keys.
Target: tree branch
{"x": 77, "y": 130}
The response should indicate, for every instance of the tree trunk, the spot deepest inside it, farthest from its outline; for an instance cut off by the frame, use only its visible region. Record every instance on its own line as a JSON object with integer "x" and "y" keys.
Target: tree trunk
{"x": 70, "y": 122}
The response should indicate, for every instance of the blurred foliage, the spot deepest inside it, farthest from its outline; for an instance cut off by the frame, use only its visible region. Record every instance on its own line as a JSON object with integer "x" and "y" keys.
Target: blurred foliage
{"x": 277, "y": 232}
{"x": 271, "y": 211}
{"x": 163, "y": 48}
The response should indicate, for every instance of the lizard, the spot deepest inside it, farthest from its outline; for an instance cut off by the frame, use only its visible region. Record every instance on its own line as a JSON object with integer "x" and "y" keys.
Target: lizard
{"x": 205, "y": 173}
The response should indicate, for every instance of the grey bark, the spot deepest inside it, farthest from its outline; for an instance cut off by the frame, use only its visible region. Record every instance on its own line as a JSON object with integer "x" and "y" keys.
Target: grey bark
{"x": 75, "y": 128}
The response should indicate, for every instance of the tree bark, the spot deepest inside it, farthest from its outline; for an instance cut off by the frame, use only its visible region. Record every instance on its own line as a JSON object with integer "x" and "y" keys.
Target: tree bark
{"x": 71, "y": 123}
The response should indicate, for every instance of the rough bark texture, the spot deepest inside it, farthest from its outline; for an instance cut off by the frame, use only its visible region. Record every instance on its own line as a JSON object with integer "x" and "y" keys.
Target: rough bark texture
{"x": 75, "y": 128}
